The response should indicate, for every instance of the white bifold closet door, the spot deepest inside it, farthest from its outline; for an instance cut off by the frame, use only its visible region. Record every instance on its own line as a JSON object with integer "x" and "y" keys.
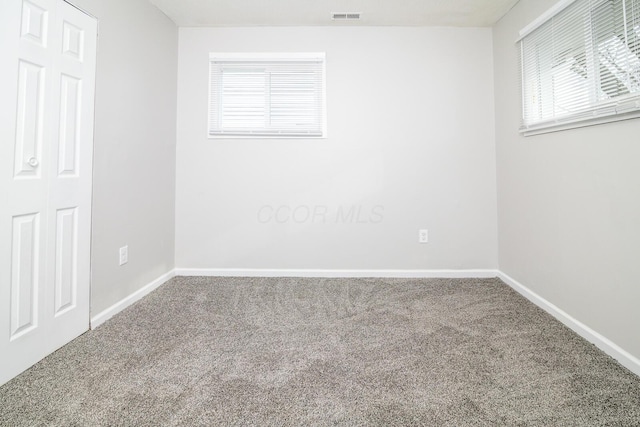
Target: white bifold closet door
{"x": 47, "y": 74}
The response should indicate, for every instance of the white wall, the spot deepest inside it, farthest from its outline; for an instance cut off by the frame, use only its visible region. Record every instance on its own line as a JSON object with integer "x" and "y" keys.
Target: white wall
{"x": 134, "y": 148}
{"x": 568, "y": 204}
{"x": 411, "y": 144}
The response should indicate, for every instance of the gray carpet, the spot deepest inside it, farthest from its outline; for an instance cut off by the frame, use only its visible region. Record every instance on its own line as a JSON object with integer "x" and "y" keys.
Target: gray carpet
{"x": 347, "y": 352}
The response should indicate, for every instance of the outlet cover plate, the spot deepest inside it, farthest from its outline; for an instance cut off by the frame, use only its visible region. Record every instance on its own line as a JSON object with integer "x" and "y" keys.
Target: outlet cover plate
{"x": 124, "y": 255}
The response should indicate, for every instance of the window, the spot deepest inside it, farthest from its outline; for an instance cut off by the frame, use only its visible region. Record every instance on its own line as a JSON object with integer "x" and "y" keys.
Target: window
{"x": 267, "y": 95}
{"x": 580, "y": 65}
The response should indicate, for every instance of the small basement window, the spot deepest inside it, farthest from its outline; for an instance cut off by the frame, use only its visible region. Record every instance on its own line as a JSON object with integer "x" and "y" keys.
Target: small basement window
{"x": 267, "y": 95}
{"x": 580, "y": 65}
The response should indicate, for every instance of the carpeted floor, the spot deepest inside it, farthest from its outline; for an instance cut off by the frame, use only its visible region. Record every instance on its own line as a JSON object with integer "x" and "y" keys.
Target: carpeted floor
{"x": 306, "y": 352}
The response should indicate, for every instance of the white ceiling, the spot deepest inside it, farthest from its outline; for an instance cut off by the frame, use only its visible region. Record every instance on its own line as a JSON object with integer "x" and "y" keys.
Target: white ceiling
{"x": 228, "y": 13}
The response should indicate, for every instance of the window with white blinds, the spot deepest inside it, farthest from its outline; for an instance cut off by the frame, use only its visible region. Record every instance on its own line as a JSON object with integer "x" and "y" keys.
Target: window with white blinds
{"x": 580, "y": 65}
{"x": 267, "y": 95}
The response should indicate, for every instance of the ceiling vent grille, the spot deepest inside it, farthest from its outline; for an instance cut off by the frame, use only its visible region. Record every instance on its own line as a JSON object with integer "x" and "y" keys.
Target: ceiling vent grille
{"x": 346, "y": 16}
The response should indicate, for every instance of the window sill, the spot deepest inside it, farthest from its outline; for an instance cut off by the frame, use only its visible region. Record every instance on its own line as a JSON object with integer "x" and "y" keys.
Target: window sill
{"x": 267, "y": 136}
{"x": 558, "y": 126}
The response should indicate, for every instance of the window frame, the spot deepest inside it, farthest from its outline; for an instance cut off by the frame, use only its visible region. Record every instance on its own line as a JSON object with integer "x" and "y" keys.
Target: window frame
{"x": 269, "y": 58}
{"x": 598, "y": 111}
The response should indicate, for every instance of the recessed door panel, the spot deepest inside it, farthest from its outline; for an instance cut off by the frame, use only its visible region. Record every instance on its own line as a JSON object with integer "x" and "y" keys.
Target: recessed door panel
{"x": 70, "y": 101}
{"x": 24, "y": 274}
{"x": 66, "y": 260}
{"x": 30, "y": 119}
{"x": 72, "y": 41}
{"x": 34, "y": 23}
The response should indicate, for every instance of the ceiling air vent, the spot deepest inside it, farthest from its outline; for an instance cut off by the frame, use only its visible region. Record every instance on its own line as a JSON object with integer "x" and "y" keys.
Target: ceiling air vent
{"x": 346, "y": 16}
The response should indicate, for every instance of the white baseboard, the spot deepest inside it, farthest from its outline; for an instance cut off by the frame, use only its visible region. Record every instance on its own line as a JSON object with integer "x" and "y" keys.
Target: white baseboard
{"x": 269, "y": 272}
{"x": 105, "y": 315}
{"x": 625, "y": 358}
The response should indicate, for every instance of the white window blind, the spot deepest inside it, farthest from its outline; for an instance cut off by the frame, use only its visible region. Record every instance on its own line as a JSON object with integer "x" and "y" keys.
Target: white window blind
{"x": 581, "y": 65}
{"x": 267, "y": 95}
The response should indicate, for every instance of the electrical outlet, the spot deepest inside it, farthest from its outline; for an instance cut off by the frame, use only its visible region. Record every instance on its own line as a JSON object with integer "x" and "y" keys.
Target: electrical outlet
{"x": 124, "y": 255}
{"x": 423, "y": 236}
